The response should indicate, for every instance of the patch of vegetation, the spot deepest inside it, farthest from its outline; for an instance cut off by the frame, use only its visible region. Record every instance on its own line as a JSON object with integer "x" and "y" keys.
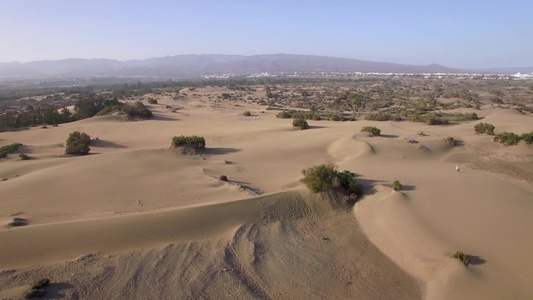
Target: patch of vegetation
{"x": 38, "y": 289}
{"x": 325, "y": 177}
{"x": 440, "y": 118}
{"x": 462, "y": 257}
{"x": 507, "y": 138}
{"x": 451, "y": 141}
{"x": 383, "y": 116}
{"x": 137, "y": 111}
{"x": 5, "y": 150}
{"x": 78, "y": 143}
{"x": 197, "y": 142}
{"x": 484, "y": 128}
{"x": 298, "y": 114}
{"x": 247, "y": 113}
{"x": 151, "y": 101}
{"x": 24, "y": 156}
{"x": 334, "y": 117}
{"x": 397, "y": 186}
{"x": 300, "y": 123}
{"x": 223, "y": 178}
{"x": 374, "y": 131}
{"x": 527, "y": 137}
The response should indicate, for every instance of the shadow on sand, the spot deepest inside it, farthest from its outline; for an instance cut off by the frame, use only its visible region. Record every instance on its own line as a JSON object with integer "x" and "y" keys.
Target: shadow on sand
{"x": 316, "y": 127}
{"x": 106, "y": 144}
{"x": 476, "y": 260}
{"x": 55, "y": 291}
{"x": 163, "y": 118}
{"x": 218, "y": 151}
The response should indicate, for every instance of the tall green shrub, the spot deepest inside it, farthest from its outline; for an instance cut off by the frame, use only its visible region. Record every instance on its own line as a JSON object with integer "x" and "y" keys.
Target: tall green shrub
{"x": 78, "y": 143}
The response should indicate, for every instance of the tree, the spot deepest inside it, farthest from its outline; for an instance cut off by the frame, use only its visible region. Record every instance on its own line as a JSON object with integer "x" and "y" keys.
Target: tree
{"x": 78, "y": 143}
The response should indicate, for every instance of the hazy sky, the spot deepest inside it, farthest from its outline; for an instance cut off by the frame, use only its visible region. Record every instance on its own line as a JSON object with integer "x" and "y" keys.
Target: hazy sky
{"x": 465, "y": 33}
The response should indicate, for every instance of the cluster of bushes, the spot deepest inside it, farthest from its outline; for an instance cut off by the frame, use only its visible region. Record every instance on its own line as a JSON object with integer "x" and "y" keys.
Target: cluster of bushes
{"x": 300, "y": 123}
{"x": 298, "y": 114}
{"x": 507, "y": 138}
{"x": 383, "y": 116}
{"x": 440, "y": 118}
{"x": 89, "y": 106}
{"x": 484, "y": 128}
{"x": 325, "y": 177}
{"x": 137, "y": 111}
{"x": 374, "y": 131}
{"x": 78, "y": 143}
{"x": 335, "y": 117}
{"x": 33, "y": 117}
{"x": 512, "y": 139}
{"x": 197, "y": 142}
{"x": 419, "y": 115}
{"x": 5, "y": 150}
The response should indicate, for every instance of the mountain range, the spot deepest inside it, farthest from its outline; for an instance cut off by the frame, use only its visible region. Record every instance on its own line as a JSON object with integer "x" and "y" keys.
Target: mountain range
{"x": 188, "y": 66}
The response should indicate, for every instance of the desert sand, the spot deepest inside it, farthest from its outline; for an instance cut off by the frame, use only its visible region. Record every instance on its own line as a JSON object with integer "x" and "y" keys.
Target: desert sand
{"x": 136, "y": 220}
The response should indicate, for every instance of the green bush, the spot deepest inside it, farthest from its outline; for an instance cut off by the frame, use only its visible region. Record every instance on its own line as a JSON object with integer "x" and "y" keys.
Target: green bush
{"x": 484, "y": 128}
{"x": 197, "y": 142}
{"x": 527, "y": 137}
{"x": 38, "y": 289}
{"x": 152, "y": 101}
{"x": 334, "y": 117}
{"x": 325, "y": 177}
{"x": 5, "y": 150}
{"x": 462, "y": 257}
{"x": 301, "y": 123}
{"x": 507, "y": 138}
{"x": 284, "y": 115}
{"x": 247, "y": 113}
{"x": 24, "y": 156}
{"x": 223, "y": 178}
{"x": 78, "y": 143}
{"x": 137, "y": 110}
{"x": 397, "y": 186}
{"x": 450, "y": 141}
{"x": 374, "y": 131}
{"x": 41, "y": 283}
{"x": 348, "y": 182}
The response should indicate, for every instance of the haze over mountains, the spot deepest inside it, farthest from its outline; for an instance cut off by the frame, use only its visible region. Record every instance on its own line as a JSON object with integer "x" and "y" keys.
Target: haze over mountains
{"x": 186, "y": 66}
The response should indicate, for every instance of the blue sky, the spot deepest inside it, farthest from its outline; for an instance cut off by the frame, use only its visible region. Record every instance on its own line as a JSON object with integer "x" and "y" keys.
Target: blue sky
{"x": 468, "y": 33}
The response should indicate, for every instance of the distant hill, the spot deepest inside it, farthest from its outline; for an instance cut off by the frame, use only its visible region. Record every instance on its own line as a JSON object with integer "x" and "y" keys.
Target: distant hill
{"x": 186, "y": 66}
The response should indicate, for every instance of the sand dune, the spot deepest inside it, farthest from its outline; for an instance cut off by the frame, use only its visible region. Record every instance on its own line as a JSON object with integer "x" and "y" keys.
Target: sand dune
{"x": 136, "y": 220}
